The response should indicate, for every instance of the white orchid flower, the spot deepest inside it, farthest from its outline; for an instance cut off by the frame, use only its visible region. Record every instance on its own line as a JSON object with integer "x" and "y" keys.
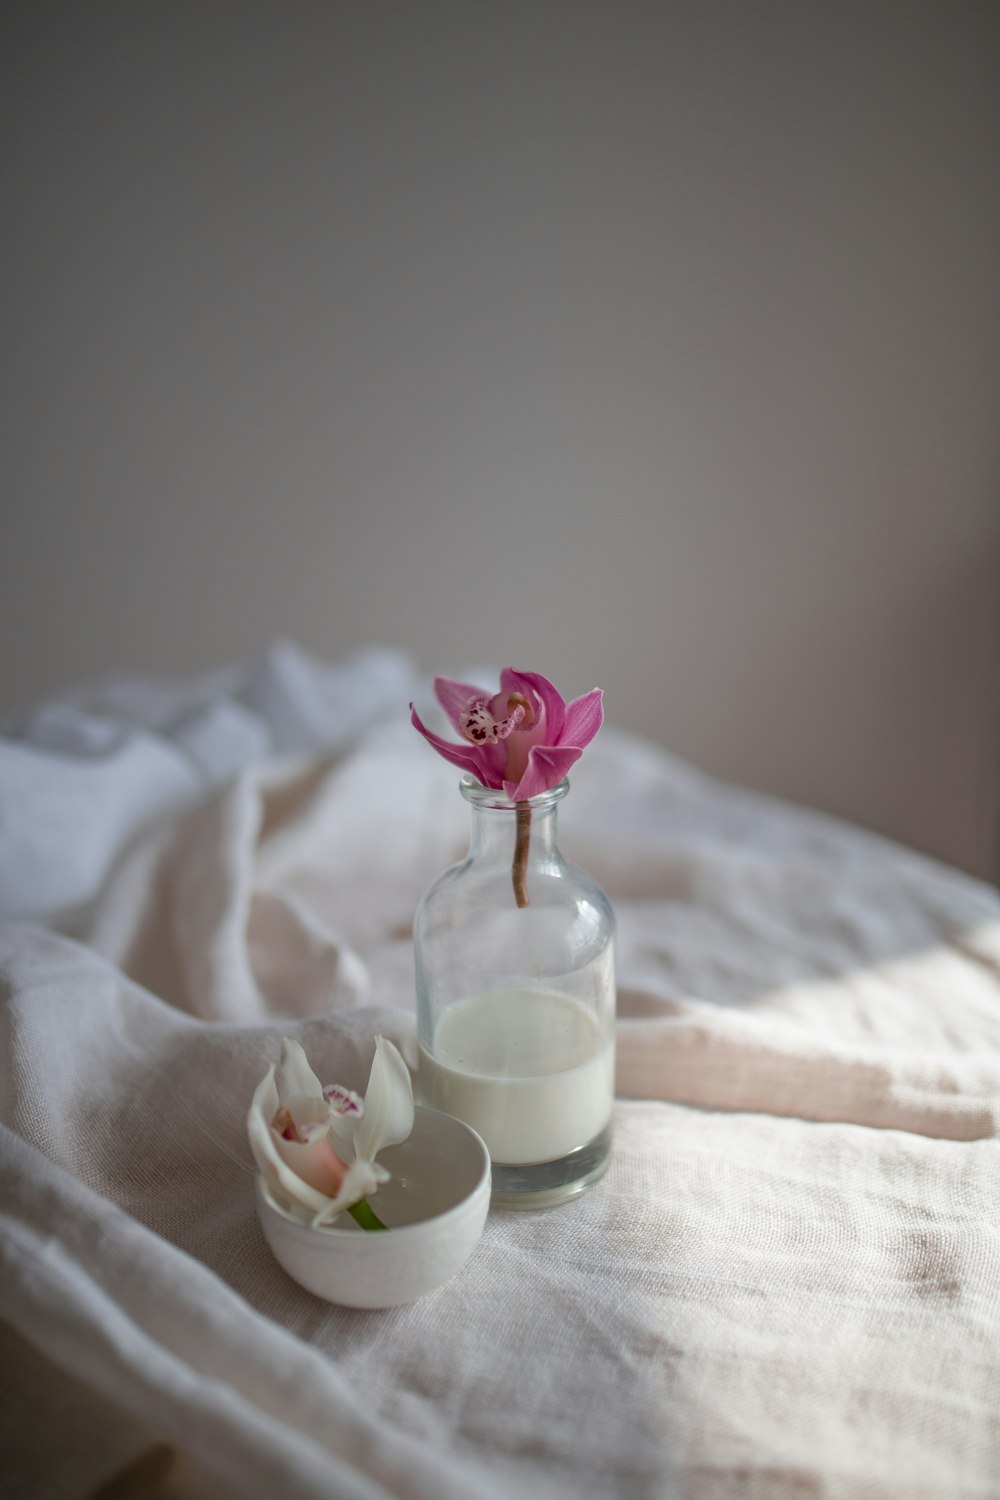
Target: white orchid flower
{"x": 315, "y": 1146}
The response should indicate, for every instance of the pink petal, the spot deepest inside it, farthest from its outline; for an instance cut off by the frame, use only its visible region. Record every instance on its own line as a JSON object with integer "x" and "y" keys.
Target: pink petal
{"x": 547, "y": 765}
{"x": 454, "y": 696}
{"x": 538, "y": 689}
{"x": 316, "y": 1162}
{"x": 485, "y": 762}
{"x": 263, "y": 1143}
{"x": 363, "y": 1178}
{"x": 584, "y": 717}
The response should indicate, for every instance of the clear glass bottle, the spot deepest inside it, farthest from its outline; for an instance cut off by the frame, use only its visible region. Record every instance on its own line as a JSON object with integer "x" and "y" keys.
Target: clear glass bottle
{"x": 516, "y": 1002}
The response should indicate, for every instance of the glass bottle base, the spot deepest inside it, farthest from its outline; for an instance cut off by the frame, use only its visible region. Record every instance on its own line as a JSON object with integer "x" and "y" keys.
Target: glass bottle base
{"x": 544, "y": 1184}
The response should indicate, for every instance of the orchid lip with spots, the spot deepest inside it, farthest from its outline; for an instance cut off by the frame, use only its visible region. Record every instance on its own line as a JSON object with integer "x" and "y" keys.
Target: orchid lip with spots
{"x": 315, "y": 1147}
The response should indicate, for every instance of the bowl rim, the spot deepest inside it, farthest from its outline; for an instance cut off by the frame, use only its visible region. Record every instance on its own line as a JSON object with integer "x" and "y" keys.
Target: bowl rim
{"x": 429, "y": 1225}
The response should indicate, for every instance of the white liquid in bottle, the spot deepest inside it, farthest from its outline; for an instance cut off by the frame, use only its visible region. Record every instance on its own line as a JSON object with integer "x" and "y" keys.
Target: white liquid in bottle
{"x": 530, "y": 1070}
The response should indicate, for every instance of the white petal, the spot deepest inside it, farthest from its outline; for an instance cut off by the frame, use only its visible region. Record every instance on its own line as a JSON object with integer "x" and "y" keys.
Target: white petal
{"x": 310, "y": 1116}
{"x": 388, "y": 1116}
{"x": 342, "y": 1128}
{"x": 280, "y": 1178}
{"x": 363, "y": 1178}
{"x": 294, "y": 1076}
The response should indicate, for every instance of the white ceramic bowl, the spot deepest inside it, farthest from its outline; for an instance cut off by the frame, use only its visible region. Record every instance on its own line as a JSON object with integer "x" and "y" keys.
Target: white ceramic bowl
{"x": 435, "y": 1207}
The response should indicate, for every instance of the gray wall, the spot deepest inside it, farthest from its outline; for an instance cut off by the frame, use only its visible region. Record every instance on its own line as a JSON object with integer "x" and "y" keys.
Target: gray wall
{"x": 653, "y": 345}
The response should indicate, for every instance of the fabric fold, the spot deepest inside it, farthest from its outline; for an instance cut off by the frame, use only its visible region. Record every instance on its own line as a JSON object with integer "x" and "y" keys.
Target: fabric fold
{"x": 788, "y": 1283}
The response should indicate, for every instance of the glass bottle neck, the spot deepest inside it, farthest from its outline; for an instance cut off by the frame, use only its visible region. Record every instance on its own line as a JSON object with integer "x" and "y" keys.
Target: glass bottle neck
{"x": 495, "y": 829}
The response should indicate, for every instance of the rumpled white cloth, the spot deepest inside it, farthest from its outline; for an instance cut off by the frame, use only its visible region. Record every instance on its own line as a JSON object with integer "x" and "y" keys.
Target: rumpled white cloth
{"x": 787, "y": 1286}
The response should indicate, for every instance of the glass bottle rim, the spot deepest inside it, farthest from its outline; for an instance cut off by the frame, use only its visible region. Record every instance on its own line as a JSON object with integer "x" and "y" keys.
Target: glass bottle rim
{"x": 493, "y": 797}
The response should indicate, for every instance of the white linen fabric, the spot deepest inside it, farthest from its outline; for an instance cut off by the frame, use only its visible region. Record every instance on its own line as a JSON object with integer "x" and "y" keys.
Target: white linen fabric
{"x": 787, "y": 1286}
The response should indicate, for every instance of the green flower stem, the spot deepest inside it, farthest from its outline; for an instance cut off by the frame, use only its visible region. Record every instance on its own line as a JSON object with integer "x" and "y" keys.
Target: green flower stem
{"x": 520, "y": 870}
{"x": 365, "y": 1216}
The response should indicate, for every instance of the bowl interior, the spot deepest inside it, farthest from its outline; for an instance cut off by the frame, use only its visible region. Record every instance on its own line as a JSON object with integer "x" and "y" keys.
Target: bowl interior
{"x": 440, "y": 1164}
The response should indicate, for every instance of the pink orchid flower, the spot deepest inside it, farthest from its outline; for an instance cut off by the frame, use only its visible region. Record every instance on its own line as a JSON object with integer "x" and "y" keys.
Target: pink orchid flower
{"x": 521, "y": 741}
